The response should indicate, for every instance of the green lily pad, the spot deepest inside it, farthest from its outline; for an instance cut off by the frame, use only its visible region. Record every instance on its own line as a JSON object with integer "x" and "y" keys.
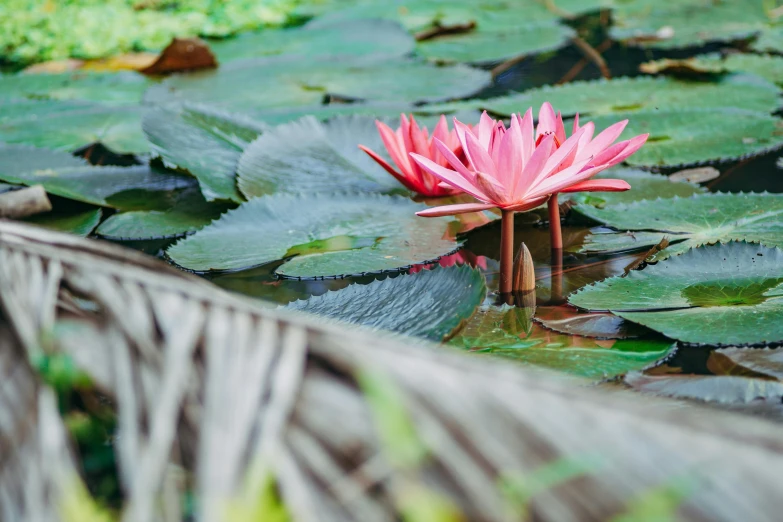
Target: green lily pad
{"x": 307, "y": 156}
{"x": 70, "y": 177}
{"x": 763, "y": 361}
{"x": 80, "y": 224}
{"x": 430, "y": 304}
{"x": 770, "y": 40}
{"x": 698, "y": 136}
{"x": 644, "y": 185}
{"x": 766, "y": 66}
{"x": 719, "y": 294}
{"x": 189, "y": 213}
{"x": 255, "y": 85}
{"x": 329, "y": 235}
{"x": 687, "y": 223}
{"x": 204, "y": 141}
{"x": 378, "y": 38}
{"x": 501, "y": 331}
{"x": 712, "y": 388}
{"x": 121, "y": 88}
{"x": 624, "y": 96}
{"x": 65, "y": 125}
{"x": 686, "y": 23}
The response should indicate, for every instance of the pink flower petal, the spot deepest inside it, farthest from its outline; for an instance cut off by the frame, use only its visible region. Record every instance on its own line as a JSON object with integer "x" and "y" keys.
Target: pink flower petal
{"x": 394, "y": 146}
{"x": 599, "y": 185}
{"x": 604, "y": 140}
{"x": 547, "y": 122}
{"x": 528, "y": 136}
{"x": 449, "y": 176}
{"x": 576, "y": 123}
{"x": 479, "y": 158}
{"x": 533, "y": 167}
{"x": 450, "y": 210}
{"x": 560, "y": 133}
{"x": 557, "y": 182}
{"x": 527, "y": 204}
{"x": 509, "y": 160}
{"x": 409, "y": 184}
{"x": 559, "y": 159}
{"x": 440, "y": 132}
{"x": 486, "y": 128}
{"x": 454, "y": 162}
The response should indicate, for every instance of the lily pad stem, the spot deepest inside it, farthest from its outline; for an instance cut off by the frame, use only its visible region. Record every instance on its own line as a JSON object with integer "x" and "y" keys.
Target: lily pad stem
{"x": 554, "y": 223}
{"x": 506, "y": 250}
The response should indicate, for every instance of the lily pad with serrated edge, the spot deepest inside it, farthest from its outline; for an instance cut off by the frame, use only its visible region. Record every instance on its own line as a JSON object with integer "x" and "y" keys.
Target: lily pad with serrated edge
{"x": 687, "y": 222}
{"x": 120, "y": 88}
{"x": 625, "y": 96}
{"x": 724, "y": 294}
{"x": 429, "y": 304}
{"x": 72, "y": 125}
{"x": 644, "y": 185}
{"x": 378, "y": 38}
{"x": 307, "y": 156}
{"x": 80, "y": 224}
{"x": 252, "y": 86}
{"x": 206, "y": 142}
{"x": 501, "y": 331}
{"x": 324, "y": 235}
{"x": 724, "y": 389}
{"x": 189, "y": 213}
{"x": 70, "y": 177}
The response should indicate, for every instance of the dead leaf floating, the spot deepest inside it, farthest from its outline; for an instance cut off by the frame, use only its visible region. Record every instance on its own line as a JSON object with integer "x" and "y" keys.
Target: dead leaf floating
{"x": 183, "y": 54}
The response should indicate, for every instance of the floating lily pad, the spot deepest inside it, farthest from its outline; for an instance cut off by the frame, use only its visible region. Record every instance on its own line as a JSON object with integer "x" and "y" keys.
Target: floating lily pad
{"x": 307, "y": 156}
{"x": 80, "y": 224}
{"x": 712, "y": 388}
{"x": 724, "y": 294}
{"x": 764, "y": 361}
{"x": 189, "y": 213}
{"x": 255, "y": 85}
{"x": 644, "y": 185}
{"x": 65, "y": 175}
{"x": 110, "y": 88}
{"x": 686, "y": 23}
{"x": 204, "y": 141}
{"x": 770, "y": 40}
{"x": 569, "y": 321}
{"x": 697, "y": 136}
{"x": 501, "y": 331}
{"x": 766, "y": 66}
{"x": 429, "y": 304}
{"x": 378, "y": 38}
{"x": 328, "y": 234}
{"x": 622, "y": 96}
{"x": 67, "y": 125}
{"x": 687, "y": 222}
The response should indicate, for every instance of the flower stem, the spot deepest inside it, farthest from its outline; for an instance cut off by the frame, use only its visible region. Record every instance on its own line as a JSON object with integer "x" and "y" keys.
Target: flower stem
{"x": 555, "y": 233}
{"x": 506, "y": 250}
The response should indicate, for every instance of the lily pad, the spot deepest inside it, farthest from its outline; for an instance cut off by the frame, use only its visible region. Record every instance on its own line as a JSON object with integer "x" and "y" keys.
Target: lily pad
{"x": 121, "y": 88}
{"x": 5, "y": 187}
{"x": 254, "y": 85}
{"x": 644, "y": 185}
{"x": 764, "y": 361}
{"x": 766, "y": 66}
{"x": 698, "y": 136}
{"x": 567, "y": 320}
{"x": 430, "y": 304}
{"x": 204, "y": 141}
{"x": 500, "y": 331}
{"x": 723, "y": 389}
{"x": 328, "y": 235}
{"x": 686, "y": 23}
{"x": 724, "y": 294}
{"x": 189, "y": 213}
{"x": 624, "y": 96}
{"x": 80, "y": 224}
{"x": 307, "y": 156}
{"x": 377, "y": 38}
{"x": 687, "y": 222}
{"x": 65, "y": 175}
{"x": 71, "y": 125}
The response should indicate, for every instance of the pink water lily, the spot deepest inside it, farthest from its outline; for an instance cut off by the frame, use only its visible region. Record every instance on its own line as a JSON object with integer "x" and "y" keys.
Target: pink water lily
{"x": 410, "y": 138}
{"x": 521, "y": 167}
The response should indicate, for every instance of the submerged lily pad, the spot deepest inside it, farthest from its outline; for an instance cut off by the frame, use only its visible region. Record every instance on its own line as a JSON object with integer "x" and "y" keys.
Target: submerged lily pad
{"x": 719, "y": 294}
{"x": 567, "y": 320}
{"x": 204, "y": 141}
{"x": 501, "y": 331}
{"x": 80, "y": 224}
{"x": 713, "y": 388}
{"x": 255, "y": 85}
{"x": 329, "y": 235}
{"x": 65, "y": 125}
{"x": 644, "y": 185}
{"x": 621, "y": 96}
{"x": 687, "y": 222}
{"x": 65, "y": 175}
{"x": 123, "y": 88}
{"x": 764, "y": 361}
{"x": 378, "y": 38}
{"x": 189, "y": 213}
{"x": 307, "y": 156}
{"x": 429, "y": 304}
{"x": 766, "y": 66}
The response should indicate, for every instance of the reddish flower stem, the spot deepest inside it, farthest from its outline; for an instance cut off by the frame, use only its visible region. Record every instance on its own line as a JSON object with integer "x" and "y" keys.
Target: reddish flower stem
{"x": 506, "y": 250}
{"x": 555, "y": 233}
